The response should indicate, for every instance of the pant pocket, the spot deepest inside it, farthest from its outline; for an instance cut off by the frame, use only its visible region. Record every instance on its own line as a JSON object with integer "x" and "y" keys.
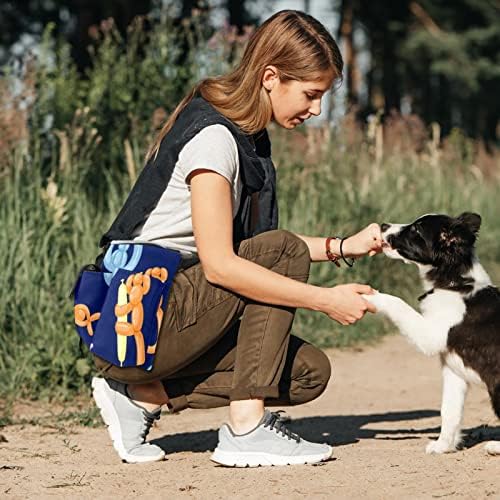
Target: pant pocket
{"x": 186, "y": 298}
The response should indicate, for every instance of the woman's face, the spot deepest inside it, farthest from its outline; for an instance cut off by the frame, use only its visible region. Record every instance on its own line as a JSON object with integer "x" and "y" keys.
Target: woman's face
{"x": 294, "y": 101}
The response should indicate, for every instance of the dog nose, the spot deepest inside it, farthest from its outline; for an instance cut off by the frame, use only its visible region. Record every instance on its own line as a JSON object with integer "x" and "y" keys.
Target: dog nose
{"x": 384, "y": 227}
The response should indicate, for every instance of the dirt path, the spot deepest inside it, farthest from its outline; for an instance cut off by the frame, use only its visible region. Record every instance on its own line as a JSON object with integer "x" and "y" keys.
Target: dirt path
{"x": 379, "y": 411}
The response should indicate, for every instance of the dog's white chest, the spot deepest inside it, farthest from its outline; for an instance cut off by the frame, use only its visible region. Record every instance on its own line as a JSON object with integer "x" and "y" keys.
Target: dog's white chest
{"x": 444, "y": 309}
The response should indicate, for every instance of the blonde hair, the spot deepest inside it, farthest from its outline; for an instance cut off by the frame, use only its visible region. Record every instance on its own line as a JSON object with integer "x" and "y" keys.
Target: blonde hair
{"x": 300, "y": 48}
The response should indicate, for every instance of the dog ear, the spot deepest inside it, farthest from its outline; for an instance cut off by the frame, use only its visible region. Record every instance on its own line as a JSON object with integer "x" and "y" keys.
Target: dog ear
{"x": 471, "y": 221}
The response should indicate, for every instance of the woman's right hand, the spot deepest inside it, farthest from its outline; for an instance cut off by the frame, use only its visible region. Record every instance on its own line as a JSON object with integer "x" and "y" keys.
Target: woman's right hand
{"x": 344, "y": 303}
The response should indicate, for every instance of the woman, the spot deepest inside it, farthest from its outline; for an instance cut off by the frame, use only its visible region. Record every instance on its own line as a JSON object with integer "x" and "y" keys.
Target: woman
{"x": 208, "y": 191}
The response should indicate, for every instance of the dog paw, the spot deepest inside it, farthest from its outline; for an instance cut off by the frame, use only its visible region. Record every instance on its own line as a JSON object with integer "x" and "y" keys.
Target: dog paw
{"x": 493, "y": 448}
{"x": 439, "y": 447}
{"x": 377, "y": 299}
{"x": 458, "y": 441}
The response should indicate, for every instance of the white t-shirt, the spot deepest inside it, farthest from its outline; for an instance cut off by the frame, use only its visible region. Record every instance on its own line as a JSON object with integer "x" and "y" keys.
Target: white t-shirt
{"x": 170, "y": 224}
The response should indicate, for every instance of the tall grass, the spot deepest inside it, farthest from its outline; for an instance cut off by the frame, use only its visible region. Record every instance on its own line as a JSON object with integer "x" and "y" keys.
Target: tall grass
{"x": 336, "y": 189}
{"x": 49, "y": 227}
{"x": 65, "y": 172}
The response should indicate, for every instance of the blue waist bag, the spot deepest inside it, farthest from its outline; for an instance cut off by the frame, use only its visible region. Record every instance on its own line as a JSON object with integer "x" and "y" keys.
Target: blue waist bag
{"x": 119, "y": 308}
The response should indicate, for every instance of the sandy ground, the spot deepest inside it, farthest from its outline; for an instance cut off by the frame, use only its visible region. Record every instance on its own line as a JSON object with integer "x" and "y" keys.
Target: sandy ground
{"x": 379, "y": 411}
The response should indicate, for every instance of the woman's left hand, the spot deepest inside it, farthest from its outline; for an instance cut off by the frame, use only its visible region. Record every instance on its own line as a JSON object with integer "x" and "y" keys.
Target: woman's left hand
{"x": 367, "y": 242}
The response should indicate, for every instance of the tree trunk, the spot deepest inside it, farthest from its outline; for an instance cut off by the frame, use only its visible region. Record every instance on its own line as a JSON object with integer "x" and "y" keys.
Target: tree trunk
{"x": 92, "y": 12}
{"x": 390, "y": 77}
{"x": 346, "y": 36}
{"x": 444, "y": 105}
{"x": 238, "y": 15}
{"x": 188, "y": 6}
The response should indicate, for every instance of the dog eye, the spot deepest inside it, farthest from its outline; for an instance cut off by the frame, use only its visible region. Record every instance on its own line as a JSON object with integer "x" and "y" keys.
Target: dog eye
{"x": 416, "y": 229}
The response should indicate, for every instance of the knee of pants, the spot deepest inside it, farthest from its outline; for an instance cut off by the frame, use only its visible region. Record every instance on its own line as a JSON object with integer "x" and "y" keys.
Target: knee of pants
{"x": 316, "y": 373}
{"x": 293, "y": 248}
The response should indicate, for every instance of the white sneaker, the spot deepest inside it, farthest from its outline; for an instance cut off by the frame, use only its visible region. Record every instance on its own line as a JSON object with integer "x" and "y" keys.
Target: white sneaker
{"x": 128, "y": 424}
{"x": 270, "y": 443}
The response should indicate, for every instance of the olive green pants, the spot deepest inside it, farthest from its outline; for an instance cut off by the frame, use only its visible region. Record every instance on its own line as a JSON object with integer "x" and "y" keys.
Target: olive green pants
{"x": 215, "y": 346}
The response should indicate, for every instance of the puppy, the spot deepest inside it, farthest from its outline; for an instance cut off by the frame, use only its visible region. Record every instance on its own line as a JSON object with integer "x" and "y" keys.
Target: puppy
{"x": 460, "y": 312}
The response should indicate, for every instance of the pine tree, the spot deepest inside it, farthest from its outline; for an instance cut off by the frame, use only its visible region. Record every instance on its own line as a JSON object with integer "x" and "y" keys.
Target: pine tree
{"x": 452, "y": 63}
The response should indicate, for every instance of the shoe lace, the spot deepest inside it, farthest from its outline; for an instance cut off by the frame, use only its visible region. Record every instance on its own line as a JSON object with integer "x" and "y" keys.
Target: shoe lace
{"x": 149, "y": 419}
{"x": 275, "y": 422}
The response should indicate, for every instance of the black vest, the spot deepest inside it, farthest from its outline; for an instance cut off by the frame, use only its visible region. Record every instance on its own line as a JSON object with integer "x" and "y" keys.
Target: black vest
{"x": 257, "y": 174}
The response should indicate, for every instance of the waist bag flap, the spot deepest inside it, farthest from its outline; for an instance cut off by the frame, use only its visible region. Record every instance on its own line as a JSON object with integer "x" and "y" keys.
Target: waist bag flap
{"x": 119, "y": 308}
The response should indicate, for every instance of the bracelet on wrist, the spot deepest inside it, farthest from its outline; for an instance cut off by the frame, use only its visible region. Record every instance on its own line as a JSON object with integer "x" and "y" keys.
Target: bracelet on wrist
{"x": 350, "y": 264}
{"x": 334, "y": 259}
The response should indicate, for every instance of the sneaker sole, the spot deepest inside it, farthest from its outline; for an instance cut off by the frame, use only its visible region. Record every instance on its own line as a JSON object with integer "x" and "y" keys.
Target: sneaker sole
{"x": 256, "y": 459}
{"x": 110, "y": 418}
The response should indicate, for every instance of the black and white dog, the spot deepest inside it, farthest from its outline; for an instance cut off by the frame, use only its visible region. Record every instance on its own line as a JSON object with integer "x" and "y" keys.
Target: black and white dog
{"x": 460, "y": 312}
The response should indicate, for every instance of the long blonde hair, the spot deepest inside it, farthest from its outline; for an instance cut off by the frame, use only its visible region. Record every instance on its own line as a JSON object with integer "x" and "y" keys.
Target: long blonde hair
{"x": 300, "y": 48}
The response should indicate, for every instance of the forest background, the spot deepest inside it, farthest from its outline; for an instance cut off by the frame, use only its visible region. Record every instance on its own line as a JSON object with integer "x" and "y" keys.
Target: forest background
{"x": 85, "y": 86}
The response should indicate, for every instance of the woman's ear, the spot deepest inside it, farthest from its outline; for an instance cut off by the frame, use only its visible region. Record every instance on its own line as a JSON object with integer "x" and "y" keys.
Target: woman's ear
{"x": 270, "y": 78}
